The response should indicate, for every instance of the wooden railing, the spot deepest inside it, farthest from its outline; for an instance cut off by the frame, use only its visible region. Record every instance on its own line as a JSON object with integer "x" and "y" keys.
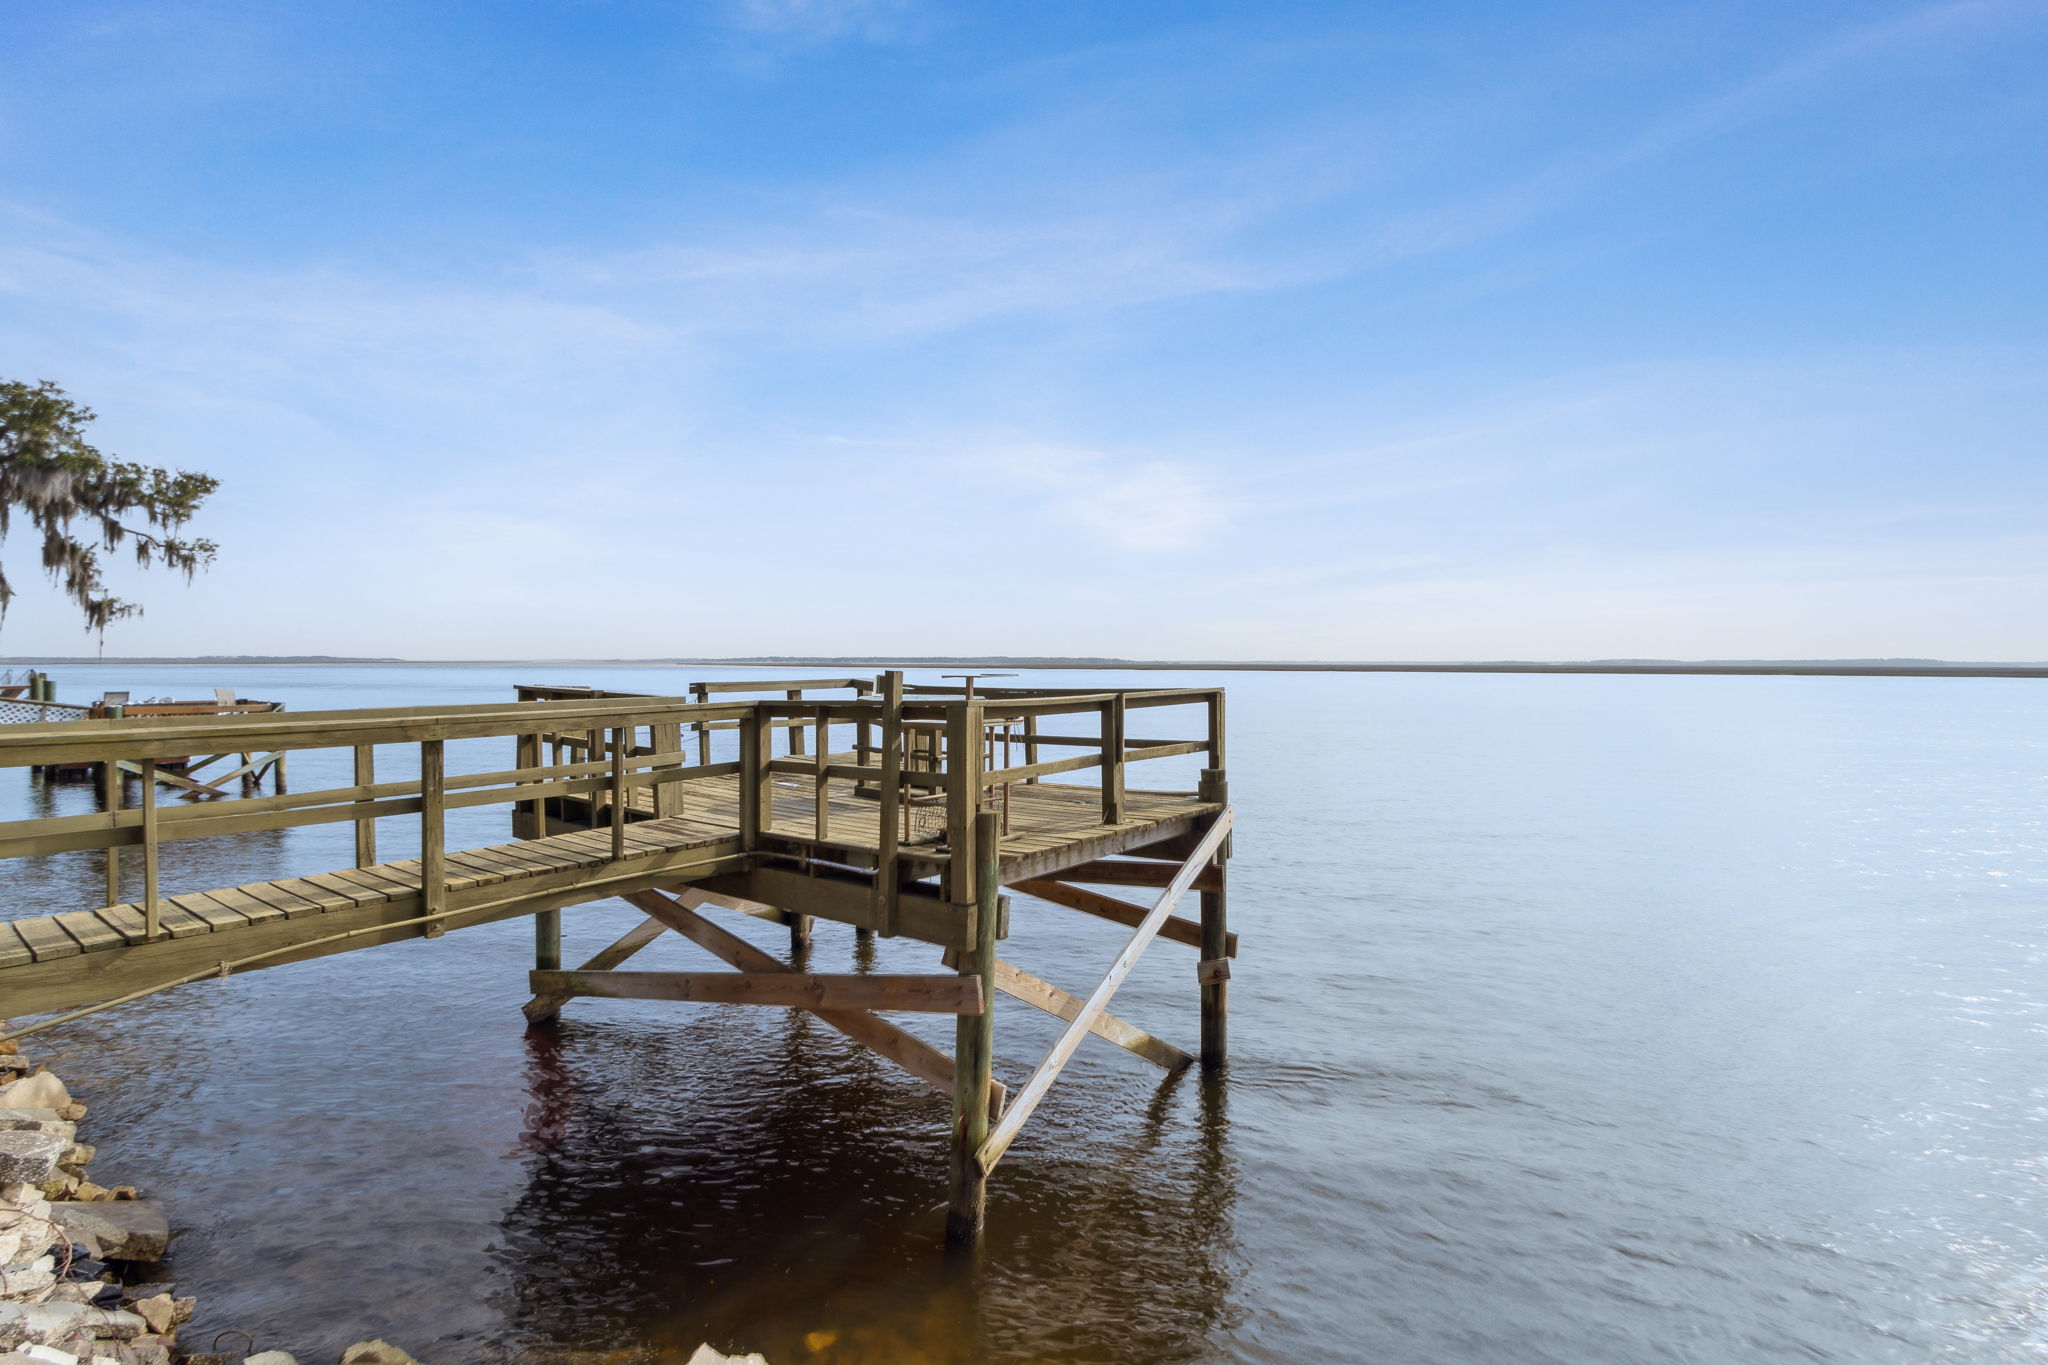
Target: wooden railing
{"x": 949, "y": 757}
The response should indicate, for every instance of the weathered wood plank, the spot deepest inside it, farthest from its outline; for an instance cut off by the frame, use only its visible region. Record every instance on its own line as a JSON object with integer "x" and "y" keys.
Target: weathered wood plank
{"x": 244, "y": 904}
{"x": 291, "y": 903}
{"x": 46, "y": 939}
{"x": 919, "y": 1058}
{"x": 1183, "y": 931}
{"x": 1042, "y": 994}
{"x": 89, "y": 931}
{"x": 1107, "y": 872}
{"x": 546, "y": 1004}
{"x": 216, "y": 915}
{"x": 14, "y": 949}
{"x": 920, "y": 994}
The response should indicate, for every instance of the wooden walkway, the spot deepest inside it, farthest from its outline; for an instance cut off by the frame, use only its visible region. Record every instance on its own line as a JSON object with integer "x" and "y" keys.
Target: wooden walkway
{"x": 1053, "y": 826}
{"x": 902, "y": 812}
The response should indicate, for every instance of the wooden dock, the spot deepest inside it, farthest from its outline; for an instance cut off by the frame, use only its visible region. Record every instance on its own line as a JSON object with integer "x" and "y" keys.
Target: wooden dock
{"x": 901, "y": 811}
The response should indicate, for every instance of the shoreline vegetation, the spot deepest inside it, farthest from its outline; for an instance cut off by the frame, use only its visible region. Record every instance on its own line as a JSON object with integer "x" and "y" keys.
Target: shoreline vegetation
{"x": 1903, "y": 668}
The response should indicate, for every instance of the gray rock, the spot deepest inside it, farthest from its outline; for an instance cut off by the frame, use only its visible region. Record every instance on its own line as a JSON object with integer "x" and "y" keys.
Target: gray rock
{"x": 271, "y": 1358}
{"x": 36, "y": 1092}
{"x": 112, "y": 1324}
{"x": 37, "y": 1324}
{"x": 25, "y": 1238}
{"x": 28, "y": 1278}
{"x": 101, "y": 1292}
{"x": 28, "y": 1157}
{"x": 116, "y": 1229}
{"x": 135, "y": 1293}
{"x": 375, "y": 1353}
{"x": 45, "y": 1119}
{"x": 141, "y": 1351}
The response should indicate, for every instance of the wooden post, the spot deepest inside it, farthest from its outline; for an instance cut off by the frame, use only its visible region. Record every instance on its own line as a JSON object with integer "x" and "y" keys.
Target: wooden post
{"x": 433, "y": 831}
{"x": 667, "y": 739}
{"x": 974, "y": 1040}
{"x": 622, "y": 740}
{"x": 593, "y": 752}
{"x": 1113, "y": 761}
{"x": 150, "y": 913}
{"x": 863, "y": 734}
{"x": 886, "y": 859}
{"x": 1030, "y": 744}
{"x": 547, "y": 941}
{"x": 1214, "y": 970}
{"x": 823, "y": 783}
{"x": 757, "y": 812}
{"x": 963, "y": 794}
{"x": 699, "y": 696}
{"x": 796, "y": 730}
{"x": 277, "y": 783}
{"x": 1216, "y": 730}
{"x": 110, "y": 797}
{"x": 525, "y": 819}
{"x": 366, "y": 825}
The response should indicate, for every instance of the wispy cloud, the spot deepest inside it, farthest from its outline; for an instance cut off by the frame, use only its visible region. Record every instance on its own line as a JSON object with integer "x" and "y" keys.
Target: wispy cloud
{"x": 825, "y": 21}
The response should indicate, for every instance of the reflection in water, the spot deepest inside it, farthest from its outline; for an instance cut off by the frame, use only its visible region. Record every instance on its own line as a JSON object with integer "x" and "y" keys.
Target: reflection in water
{"x": 763, "y": 1189}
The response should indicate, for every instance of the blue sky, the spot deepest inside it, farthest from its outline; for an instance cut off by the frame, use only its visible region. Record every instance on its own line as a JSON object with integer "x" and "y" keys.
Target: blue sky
{"x": 1452, "y": 330}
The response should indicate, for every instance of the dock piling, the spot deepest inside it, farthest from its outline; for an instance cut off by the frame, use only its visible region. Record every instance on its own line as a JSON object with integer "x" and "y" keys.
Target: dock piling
{"x": 974, "y": 1044}
{"x": 1213, "y": 972}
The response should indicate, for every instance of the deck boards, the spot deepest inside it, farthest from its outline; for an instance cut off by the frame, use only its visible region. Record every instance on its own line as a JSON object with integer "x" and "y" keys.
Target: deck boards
{"x": 1046, "y": 819}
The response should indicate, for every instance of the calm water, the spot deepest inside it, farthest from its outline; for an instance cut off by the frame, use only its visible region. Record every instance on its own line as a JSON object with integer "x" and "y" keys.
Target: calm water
{"x": 1577, "y": 1020}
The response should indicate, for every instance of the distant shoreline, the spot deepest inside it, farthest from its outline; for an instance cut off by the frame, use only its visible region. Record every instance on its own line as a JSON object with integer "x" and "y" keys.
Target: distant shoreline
{"x": 1847, "y": 668}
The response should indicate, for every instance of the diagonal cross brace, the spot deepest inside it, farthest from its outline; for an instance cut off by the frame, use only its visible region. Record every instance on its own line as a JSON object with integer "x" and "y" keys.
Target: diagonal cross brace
{"x": 1005, "y": 1132}
{"x": 914, "y": 1055}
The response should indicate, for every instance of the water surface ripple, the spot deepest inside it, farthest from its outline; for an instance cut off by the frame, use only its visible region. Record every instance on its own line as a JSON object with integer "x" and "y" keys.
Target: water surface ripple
{"x": 1579, "y": 1019}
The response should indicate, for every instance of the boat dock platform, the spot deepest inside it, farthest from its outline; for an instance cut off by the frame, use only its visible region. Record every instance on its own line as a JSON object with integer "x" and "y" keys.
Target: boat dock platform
{"x": 902, "y": 811}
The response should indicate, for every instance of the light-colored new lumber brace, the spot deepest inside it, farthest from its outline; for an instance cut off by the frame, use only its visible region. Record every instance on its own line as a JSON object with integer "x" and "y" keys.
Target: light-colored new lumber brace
{"x": 1034, "y": 1091}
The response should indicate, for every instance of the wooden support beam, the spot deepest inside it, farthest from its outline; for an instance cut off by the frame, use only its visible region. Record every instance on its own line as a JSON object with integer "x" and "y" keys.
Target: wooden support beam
{"x": 111, "y": 782}
{"x": 622, "y": 745}
{"x": 1214, "y": 970}
{"x": 1109, "y": 872}
{"x": 547, "y": 1004}
{"x": 152, "y": 908}
{"x": 366, "y": 826}
{"x": 1039, "y": 993}
{"x": 848, "y": 897}
{"x": 1035, "y": 1090}
{"x": 915, "y": 993}
{"x": 1179, "y": 930}
{"x": 888, "y": 873}
{"x": 914, "y": 1055}
{"x": 254, "y": 765}
{"x": 963, "y": 796}
{"x": 433, "y": 831}
{"x": 974, "y": 1037}
{"x": 1113, "y": 760}
{"x": 171, "y": 779}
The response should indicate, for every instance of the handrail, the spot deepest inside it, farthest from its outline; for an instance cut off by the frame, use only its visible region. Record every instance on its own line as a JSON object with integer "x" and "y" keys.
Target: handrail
{"x": 914, "y": 760}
